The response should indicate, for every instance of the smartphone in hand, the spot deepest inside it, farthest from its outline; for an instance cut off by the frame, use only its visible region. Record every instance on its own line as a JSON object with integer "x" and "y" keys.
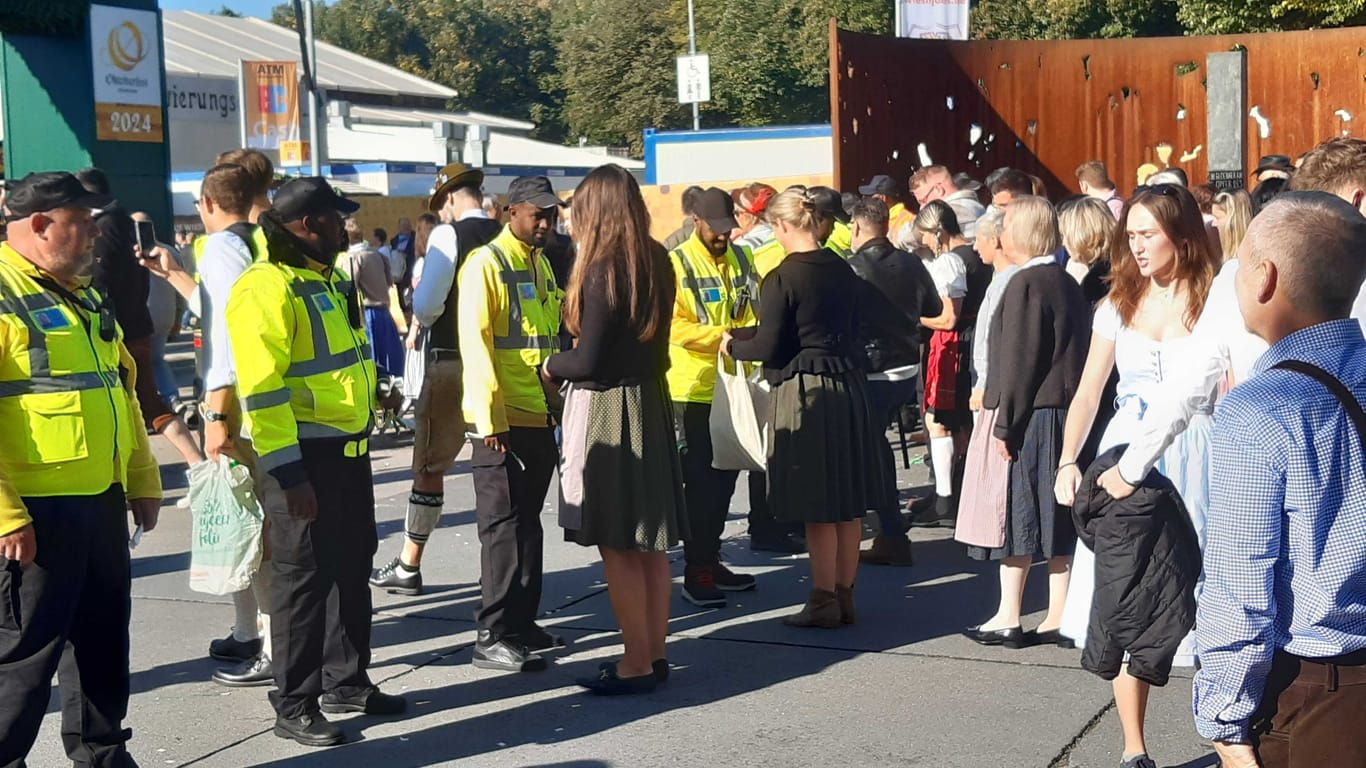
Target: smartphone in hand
{"x": 146, "y": 238}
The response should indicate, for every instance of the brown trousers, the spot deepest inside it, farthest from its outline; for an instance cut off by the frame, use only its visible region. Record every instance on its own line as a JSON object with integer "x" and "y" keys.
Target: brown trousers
{"x": 1313, "y": 713}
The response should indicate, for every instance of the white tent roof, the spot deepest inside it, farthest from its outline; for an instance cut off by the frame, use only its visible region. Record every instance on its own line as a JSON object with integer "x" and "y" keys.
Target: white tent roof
{"x": 508, "y": 149}
{"x": 411, "y": 116}
{"x": 211, "y": 45}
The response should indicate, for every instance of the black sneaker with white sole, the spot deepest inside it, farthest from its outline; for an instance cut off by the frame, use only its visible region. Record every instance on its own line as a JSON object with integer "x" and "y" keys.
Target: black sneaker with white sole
{"x": 727, "y": 580}
{"x": 699, "y": 587}
{"x": 395, "y": 579}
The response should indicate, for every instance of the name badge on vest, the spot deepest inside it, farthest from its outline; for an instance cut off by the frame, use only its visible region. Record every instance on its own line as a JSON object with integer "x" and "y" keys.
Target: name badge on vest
{"x": 324, "y": 302}
{"x": 527, "y": 291}
{"x": 50, "y": 319}
{"x": 711, "y": 295}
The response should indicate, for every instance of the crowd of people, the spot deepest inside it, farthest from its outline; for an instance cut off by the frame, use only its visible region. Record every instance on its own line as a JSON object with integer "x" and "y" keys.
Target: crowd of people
{"x": 1158, "y": 397}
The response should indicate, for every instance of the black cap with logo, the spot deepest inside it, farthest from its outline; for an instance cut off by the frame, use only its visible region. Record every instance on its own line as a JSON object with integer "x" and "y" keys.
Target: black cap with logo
{"x": 48, "y": 191}
{"x": 535, "y": 190}
{"x": 311, "y": 195}
{"x": 828, "y": 203}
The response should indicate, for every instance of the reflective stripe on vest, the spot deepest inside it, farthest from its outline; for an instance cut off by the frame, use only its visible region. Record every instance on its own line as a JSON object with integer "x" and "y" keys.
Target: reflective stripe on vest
{"x": 742, "y": 282}
{"x": 324, "y": 359}
{"x": 41, "y": 380}
{"x": 516, "y": 337}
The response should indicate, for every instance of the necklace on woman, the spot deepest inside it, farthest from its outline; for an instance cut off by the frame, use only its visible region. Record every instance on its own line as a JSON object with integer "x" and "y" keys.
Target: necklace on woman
{"x": 1167, "y": 295}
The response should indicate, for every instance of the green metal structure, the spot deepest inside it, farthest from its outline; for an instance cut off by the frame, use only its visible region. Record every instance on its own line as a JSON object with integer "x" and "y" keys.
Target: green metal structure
{"x": 47, "y": 86}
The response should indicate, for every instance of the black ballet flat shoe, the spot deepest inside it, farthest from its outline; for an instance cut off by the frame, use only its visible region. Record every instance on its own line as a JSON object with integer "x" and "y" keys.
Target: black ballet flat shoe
{"x": 660, "y": 667}
{"x": 1053, "y": 637}
{"x": 608, "y": 684}
{"x": 1011, "y": 637}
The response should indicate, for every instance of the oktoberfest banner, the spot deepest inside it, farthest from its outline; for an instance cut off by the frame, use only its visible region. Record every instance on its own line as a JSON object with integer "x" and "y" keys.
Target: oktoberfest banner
{"x": 935, "y": 19}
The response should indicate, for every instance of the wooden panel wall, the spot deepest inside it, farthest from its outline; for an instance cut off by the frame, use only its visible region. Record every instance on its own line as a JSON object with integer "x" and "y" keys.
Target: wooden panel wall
{"x": 1047, "y": 106}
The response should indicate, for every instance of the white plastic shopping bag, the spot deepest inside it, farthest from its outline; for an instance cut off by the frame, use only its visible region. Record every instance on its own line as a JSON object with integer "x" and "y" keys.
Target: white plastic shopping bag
{"x": 739, "y": 417}
{"x": 225, "y": 546}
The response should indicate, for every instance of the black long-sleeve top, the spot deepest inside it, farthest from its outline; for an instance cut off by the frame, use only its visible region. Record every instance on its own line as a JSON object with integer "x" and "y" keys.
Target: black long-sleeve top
{"x": 1039, "y": 336}
{"x": 608, "y": 353}
{"x": 809, "y": 318}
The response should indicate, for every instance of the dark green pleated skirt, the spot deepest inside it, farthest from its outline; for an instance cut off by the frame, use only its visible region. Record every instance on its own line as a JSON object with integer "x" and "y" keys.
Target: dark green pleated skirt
{"x": 621, "y": 481}
{"x": 823, "y": 461}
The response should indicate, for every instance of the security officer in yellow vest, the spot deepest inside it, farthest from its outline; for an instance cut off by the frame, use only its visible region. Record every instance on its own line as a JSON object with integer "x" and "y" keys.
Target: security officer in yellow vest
{"x": 509, "y": 318}
{"x": 714, "y": 295}
{"x": 73, "y": 458}
{"x": 306, "y": 381}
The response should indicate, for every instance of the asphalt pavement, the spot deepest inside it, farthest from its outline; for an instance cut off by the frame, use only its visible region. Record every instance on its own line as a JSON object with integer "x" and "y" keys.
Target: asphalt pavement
{"x": 901, "y": 688}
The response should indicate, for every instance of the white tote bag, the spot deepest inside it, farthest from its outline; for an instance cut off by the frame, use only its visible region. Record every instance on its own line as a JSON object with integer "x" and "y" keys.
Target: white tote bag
{"x": 226, "y": 523}
{"x": 739, "y": 417}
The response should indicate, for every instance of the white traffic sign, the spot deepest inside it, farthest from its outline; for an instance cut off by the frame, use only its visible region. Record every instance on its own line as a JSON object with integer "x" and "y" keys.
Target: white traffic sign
{"x": 694, "y": 79}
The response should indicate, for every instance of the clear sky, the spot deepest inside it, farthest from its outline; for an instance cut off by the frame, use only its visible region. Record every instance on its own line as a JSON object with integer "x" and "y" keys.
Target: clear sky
{"x": 259, "y": 8}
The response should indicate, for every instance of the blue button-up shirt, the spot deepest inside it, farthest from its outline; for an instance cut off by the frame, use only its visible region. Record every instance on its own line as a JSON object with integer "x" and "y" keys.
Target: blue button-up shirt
{"x": 1285, "y": 562}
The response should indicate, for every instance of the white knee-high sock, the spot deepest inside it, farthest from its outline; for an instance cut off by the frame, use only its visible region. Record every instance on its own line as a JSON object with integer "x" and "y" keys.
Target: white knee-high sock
{"x": 261, "y": 586}
{"x": 244, "y": 616}
{"x": 941, "y": 455}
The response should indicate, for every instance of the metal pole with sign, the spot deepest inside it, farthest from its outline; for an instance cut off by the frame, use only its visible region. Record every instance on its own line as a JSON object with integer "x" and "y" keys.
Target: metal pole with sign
{"x": 692, "y": 51}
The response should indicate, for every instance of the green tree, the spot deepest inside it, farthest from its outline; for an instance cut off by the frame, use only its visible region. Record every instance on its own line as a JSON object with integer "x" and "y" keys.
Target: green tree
{"x": 616, "y": 65}
{"x": 1066, "y": 19}
{"x": 1215, "y": 17}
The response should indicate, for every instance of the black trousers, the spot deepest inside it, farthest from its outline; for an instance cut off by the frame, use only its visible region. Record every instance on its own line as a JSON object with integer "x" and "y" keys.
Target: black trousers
{"x": 509, "y": 494}
{"x": 67, "y": 614}
{"x": 320, "y": 617}
{"x": 706, "y": 491}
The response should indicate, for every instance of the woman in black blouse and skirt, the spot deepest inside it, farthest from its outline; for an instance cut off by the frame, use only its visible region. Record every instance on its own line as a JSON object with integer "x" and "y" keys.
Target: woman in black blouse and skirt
{"x": 621, "y": 485}
{"x": 823, "y": 466}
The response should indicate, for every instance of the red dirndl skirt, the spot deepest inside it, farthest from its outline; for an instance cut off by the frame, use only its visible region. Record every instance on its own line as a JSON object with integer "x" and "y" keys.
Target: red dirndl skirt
{"x": 941, "y": 373}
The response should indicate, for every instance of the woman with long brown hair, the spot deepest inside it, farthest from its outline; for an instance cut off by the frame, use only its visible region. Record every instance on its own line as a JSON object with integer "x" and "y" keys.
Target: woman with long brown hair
{"x": 1162, "y": 268}
{"x": 621, "y": 484}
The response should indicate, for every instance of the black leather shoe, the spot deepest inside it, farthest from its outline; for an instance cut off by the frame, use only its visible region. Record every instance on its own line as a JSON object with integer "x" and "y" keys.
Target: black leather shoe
{"x": 396, "y": 582}
{"x": 608, "y": 684}
{"x": 310, "y": 730}
{"x": 1011, "y": 637}
{"x": 231, "y": 649}
{"x": 248, "y": 674}
{"x": 505, "y": 654}
{"x": 371, "y": 702}
{"x": 1052, "y": 637}
{"x": 537, "y": 640}
{"x": 660, "y": 667}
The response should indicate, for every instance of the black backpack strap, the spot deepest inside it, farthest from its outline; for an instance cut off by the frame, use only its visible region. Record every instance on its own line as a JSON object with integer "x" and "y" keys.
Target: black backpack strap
{"x": 248, "y": 234}
{"x": 1334, "y": 385}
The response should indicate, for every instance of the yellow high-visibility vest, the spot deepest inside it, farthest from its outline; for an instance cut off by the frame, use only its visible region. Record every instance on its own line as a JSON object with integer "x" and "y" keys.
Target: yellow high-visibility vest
{"x": 304, "y": 365}
{"x": 68, "y": 424}
{"x": 508, "y": 324}
{"x": 712, "y": 297}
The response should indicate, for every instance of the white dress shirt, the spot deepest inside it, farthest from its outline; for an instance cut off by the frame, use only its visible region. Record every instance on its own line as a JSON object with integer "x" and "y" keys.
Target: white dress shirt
{"x": 438, "y": 271}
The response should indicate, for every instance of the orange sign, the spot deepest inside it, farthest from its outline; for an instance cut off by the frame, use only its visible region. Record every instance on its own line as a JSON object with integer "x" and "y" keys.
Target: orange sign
{"x": 270, "y": 105}
{"x": 294, "y": 152}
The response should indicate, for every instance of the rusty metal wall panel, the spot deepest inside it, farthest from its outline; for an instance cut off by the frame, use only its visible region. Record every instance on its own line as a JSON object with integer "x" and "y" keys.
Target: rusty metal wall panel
{"x": 1045, "y": 107}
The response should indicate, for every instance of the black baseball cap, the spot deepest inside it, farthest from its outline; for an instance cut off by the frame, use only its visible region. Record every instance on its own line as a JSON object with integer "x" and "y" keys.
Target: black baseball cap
{"x": 300, "y": 197}
{"x": 882, "y": 184}
{"x": 535, "y": 190}
{"x": 716, "y": 208}
{"x": 48, "y": 191}
{"x": 828, "y": 203}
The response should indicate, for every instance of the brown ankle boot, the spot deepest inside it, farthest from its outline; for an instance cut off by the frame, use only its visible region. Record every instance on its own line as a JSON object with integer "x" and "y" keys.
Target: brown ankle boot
{"x": 887, "y": 550}
{"x": 822, "y": 610}
{"x": 844, "y": 597}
